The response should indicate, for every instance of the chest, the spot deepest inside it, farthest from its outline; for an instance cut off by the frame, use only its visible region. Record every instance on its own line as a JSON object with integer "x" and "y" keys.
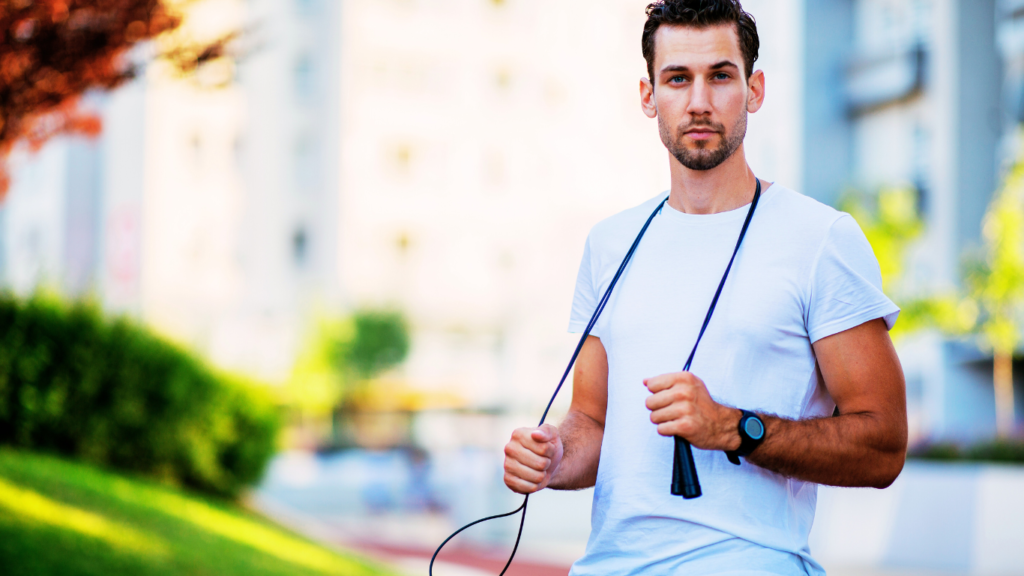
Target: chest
{"x": 660, "y": 304}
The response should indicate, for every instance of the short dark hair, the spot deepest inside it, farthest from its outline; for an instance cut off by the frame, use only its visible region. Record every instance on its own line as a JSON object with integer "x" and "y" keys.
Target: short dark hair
{"x": 701, "y": 14}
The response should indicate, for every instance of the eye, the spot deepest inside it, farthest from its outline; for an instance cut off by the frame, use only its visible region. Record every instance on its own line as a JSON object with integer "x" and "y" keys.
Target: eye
{"x": 721, "y": 76}
{"x": 677, "y": 79}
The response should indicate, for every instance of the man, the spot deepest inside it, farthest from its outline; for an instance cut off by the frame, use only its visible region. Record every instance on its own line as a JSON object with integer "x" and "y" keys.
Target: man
{"x": 800, "y": 330}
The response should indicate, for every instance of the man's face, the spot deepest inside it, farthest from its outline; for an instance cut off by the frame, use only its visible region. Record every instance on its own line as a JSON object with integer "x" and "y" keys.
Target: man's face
{"x": 699, "y": 94}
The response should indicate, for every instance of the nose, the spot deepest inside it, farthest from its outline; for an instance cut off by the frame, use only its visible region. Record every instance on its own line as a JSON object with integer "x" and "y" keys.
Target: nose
{"x": 700, "y": 98}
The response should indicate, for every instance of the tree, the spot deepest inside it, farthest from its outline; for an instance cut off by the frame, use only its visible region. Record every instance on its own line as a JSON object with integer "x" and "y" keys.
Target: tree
{"x": 891, "y": 223}
{"x": 52, "y": 52}
{"x": 345, "y": 354}
{"x": 996, "y": 283}
{"x": 991, "y": 304}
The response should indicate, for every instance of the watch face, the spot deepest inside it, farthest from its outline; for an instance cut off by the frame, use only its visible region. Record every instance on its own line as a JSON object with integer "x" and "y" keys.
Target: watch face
{"x": 754, "y": 428}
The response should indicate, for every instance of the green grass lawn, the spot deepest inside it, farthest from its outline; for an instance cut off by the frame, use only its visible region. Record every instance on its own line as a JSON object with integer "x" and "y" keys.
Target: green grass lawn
{"x": 59, "y": 517}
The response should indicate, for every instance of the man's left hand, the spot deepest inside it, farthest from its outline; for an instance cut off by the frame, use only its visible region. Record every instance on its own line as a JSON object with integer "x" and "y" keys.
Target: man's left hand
{"x": 681, "y": 406}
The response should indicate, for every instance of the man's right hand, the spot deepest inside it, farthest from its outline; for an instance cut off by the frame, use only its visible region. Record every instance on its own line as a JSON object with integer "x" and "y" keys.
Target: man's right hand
{"x": 531, "y": 458}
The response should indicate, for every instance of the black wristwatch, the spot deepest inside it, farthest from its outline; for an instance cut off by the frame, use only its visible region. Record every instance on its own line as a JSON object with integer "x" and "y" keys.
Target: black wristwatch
{"x": 751, "y": 434}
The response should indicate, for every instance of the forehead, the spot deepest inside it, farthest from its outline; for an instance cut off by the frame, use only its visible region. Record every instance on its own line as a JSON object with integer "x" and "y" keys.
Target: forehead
{"x": 676, "y": 45}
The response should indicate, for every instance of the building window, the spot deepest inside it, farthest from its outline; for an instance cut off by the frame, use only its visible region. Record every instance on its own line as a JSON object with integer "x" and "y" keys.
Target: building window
{"x": 305, "y": 161}
{"x": 306, "y": 7}
{"x": 300, "y": 246}
{"x": 304, "y": 78}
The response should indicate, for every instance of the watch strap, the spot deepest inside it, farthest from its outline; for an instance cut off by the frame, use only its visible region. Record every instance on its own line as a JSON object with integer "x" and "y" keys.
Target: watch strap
{"x": 747, "y": 442}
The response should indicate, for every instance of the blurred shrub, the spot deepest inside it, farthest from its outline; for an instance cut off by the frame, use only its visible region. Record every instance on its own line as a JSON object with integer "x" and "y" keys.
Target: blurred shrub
{"x": 1006, "y": 450}
{"x": 111, "y": 393}
{"x": 381, "y": 342}
{"x": 345, "y": 353}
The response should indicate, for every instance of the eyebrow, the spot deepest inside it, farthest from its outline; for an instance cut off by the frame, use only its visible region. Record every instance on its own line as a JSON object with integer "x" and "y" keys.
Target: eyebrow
{"x": 716, "y": 66}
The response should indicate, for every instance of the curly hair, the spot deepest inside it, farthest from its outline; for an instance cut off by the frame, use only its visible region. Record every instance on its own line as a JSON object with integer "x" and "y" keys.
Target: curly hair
{"x": 701, "y": 14}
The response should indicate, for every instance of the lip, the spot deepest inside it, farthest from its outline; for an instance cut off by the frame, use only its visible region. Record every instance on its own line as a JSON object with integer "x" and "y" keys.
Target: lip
{"x": 699, "y": 134}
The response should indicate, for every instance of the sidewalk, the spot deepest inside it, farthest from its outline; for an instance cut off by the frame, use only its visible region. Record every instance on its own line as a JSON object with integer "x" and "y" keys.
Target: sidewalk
{"x": 400, "y": 543}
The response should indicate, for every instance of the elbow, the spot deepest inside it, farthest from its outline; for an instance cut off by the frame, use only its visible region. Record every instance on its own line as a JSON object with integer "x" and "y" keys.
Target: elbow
{"x": 888, "y": 472}
{"x": 889, "y": 466}
{"x": 892, "y": 455}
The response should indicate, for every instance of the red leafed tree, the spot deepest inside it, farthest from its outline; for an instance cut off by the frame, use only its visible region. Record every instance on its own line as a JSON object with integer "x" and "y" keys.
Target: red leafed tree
{"x": 53, "y": 51}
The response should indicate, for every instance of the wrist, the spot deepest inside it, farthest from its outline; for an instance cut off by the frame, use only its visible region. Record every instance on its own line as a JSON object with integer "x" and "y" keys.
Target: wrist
{"x": 729, "y": 435}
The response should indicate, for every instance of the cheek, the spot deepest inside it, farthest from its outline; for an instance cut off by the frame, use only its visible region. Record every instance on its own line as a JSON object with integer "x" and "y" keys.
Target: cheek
{"x": 671, "y": 104}
{"x": 733, "y": 104}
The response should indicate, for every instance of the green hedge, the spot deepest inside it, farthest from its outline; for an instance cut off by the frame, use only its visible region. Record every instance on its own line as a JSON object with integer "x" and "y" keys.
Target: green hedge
{"x": 111, "y": 393}
{"x": 1005, "y": 450}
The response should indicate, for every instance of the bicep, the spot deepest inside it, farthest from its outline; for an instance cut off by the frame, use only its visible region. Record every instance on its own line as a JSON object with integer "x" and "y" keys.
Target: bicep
{"x": 590, "y": 381}
{"x": 862, "y": 372}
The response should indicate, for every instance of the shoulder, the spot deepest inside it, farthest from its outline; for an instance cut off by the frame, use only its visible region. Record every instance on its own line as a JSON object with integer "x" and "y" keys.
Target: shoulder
{"x": 615, "y": 234}
{"x": 803, "y": 217}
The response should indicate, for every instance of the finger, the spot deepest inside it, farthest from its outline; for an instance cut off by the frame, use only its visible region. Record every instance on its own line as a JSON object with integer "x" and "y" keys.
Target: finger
{"x": 526, "y": 456}
{"x": 523, "y": 472}
{"x": 663, "y": 381}
{"x": 524, "y": 437}
{"x": 667, "y": 414}
{"x": 542, "y": 435}
{"x": 675, "y": 395}
{"x": 542, "y": 449}
{"x": 545, "y": 433}
{"x": 668, "y": 429}
{"x": 682, "y": 427}
{"x": 519, "y": 485}
{"x": 659, "y": 400}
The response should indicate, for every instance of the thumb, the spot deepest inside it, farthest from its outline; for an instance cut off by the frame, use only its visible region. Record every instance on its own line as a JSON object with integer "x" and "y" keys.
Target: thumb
{"x": 545, "y": 433}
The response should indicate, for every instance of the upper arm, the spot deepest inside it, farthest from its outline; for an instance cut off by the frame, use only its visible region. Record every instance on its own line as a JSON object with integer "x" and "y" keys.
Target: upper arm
{"x": 590, "y": 381}
{"x": 863, "y": 375}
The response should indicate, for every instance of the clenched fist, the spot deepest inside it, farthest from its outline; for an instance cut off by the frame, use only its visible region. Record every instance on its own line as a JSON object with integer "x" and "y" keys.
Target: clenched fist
{"x": 681, "y": 406}
{"x": 531, "y": 458}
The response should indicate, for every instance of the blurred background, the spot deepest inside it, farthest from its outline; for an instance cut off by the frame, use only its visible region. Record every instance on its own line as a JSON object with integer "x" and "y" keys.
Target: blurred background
{"x": 312, "y": 261}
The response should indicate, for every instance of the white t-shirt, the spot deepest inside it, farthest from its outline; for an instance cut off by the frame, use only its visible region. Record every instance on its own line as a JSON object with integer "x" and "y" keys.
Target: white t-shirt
{"x": 805, "y": 271}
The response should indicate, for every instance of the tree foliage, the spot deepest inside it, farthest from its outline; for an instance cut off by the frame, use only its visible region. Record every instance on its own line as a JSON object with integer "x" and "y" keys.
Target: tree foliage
{"x": 52, "y": 52}
{"x": 345, "y": 353}
{"x": 996, "y": 281}
{"x": 381, "y": 342}
{"x": 891, "y": 223}
{"x": 991, "y": 303}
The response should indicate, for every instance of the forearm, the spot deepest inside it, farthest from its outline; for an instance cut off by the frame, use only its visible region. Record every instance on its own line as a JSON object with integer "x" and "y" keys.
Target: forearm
{"x": 581, "y": 444}
{"x": 854, "y": 450}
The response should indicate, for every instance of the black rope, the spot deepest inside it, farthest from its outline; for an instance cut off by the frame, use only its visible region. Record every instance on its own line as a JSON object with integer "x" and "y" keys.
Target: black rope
{"x": 590, "y": 326}
{"x": 575, "y": 354}
{"x": 714, "y": 301}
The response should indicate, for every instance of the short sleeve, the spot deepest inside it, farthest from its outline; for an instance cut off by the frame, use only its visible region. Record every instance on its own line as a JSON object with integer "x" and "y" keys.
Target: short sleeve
{"x": 585, "y": 299}
{"x": 846, "y": 284}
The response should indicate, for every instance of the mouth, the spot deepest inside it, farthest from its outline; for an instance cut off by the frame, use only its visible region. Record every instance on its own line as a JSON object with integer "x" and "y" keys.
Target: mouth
{"x": 700, "y": 133}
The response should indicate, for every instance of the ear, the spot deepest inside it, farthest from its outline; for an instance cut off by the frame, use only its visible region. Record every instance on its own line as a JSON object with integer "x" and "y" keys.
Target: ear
{"x": 755, "y": 91}
{"x": 647, "y": 101}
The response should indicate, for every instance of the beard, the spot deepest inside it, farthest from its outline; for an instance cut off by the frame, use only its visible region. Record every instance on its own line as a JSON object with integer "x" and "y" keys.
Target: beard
{"x": 703, "y": 158}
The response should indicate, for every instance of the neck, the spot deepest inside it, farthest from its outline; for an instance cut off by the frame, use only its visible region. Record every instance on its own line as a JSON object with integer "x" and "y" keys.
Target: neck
{"x": 725, "y": 187}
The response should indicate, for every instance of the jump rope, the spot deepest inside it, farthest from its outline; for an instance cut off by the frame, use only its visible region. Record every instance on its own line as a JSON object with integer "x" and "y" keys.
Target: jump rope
{"x": 684, "y": 472}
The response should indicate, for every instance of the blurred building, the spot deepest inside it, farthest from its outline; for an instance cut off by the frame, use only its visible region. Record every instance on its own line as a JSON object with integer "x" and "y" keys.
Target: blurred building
{"x": 481, "y": 141}
{"x": 448, "y": 157}
{"x": 208, "y": 205}
{"x": 911, "y": 92}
